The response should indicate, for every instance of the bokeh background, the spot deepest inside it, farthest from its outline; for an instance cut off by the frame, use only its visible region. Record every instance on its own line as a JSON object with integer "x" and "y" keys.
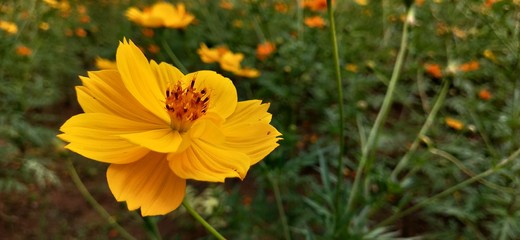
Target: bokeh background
{"x": 475, "y": 45}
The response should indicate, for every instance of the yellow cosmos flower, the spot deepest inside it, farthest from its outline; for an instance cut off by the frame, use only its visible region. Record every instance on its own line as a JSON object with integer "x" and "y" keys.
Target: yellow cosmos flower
{"x": 231, "y": 61}
{"x": 247, "y": 72}
{"x": 8, "y": 27}
{"x": 158, "y": 127}
{"x": 103, "y": 63}
{"x": 454, "y": 123}
{"x": 161, "y": 14}
{"x": 211, "y": 55}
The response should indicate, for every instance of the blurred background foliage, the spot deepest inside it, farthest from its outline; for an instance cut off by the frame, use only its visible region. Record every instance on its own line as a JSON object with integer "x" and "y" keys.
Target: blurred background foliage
{"x": 475, "y": 45}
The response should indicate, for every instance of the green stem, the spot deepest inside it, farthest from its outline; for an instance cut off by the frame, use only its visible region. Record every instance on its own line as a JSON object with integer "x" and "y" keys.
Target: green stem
{"x": 151, "y": 226}
{"x": 450, "y": 190}
{"x": 201, "y": 220}
{"x": 427, "y": 124}
{"x": 90, "y": 199}
{"x": 381, "y": 116}
{"x": 279, "y": 205}
{"x": 339, "y": 87}
{"x": 174, "y": 57}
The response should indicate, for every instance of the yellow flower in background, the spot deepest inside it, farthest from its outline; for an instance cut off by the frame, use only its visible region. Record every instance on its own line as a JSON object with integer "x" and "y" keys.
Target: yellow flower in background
{"x": 44, "y": 26}
{"x": 158, "y": 127}
{"x": 231, "y": 61}
{"x": 227, "y": 60}
{"x": 490, "y": 55}
{"x": 314, "y": 22}
{"x": 8, "y": 27}
{"x": 161, "y": 14}
{"x": 454, "y": 123}
{"x": 247, "y": 72}
{"x": 104, "y": 64}
{"x": 352, "y": 67}
{"x": 361, "y": 2}
{"x": 211, "y": 55}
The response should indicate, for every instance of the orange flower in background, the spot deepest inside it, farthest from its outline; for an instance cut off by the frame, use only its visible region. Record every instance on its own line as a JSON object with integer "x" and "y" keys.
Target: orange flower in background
{"x": 161, "y": 14}
{"x": 148, "y": 32}
{"x": 84, "y": 19}
{"x": 314, "y": 22}
{"x": 281, "y": 7}
{"x": 489, "y": 3}
{"x": 470, "y": 66}
{"x": 24, "y": 51}
{"x": 104, "y": 64}
{"x": 433, "y": 70}
{"x": 80, "y": 32}
{"x": 454, "y": 123}
{"x": 68, "y": 32}
{"x": 225, "y": 4}
{"x": 264, "y": 50}
{"x": 485, "y": 94}
{"x": 316, "y": 5}
{"x": 154, "y": 49}
{"x": 419, "y": 2}
{"x": 211, "y": 55}
{"x": 157, "y": 128}
{"x": 9, "y": 27}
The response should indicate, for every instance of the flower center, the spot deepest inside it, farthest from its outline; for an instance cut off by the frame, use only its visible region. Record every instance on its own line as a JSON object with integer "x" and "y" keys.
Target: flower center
{"x": 185, "y": 105}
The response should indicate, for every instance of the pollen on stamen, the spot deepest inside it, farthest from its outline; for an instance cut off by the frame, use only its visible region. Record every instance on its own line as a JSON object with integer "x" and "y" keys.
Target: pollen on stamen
{"x": 185, "y": 105}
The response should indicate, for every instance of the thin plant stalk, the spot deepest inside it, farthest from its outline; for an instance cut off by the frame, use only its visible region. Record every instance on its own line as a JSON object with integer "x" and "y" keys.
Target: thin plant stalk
{"x": 174, "y": 57}
{"x": 279, "y": 205}
{"x": 201, "y": 220}
{"x": 97, "y": 207}
{"x": 452, "y": 189}
{"x": 427, "y": 124}
{"x": 151, "y": 226}
{"x": 381, "y": 116}
{"x": 185, "y": 203}
{"x": 339, "y": 86}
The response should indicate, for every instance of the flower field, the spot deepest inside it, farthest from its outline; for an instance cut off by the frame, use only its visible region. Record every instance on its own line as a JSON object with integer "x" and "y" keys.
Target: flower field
{"x": 259, "y": 119}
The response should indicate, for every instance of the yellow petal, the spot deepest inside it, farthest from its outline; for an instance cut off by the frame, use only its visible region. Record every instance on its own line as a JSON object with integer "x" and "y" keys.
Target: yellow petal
{"x": 139, "y": 79}
{"x": 256, "y": 140}
{"x": 248, "y": 130}
{"x": 249, "y": 111}
{"x": 165, "y": 74}
{"x": 96, "y": 136}
{"x": 208, "y": 159}
{"x": 222, "y": 93}
{"x": 147, "y": 184}
{"x": 104, "y": 92}
{"x": 163, "y": 140}
{"x": 231, "y": 61}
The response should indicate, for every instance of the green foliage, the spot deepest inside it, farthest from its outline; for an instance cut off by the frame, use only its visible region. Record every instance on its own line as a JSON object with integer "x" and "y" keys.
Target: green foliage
{"x": 37, "y": 96}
